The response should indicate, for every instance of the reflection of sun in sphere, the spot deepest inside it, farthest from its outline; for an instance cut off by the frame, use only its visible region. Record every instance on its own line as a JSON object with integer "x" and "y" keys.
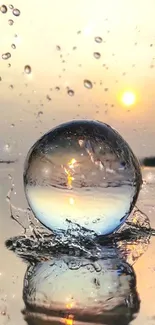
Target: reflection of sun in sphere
{"x": 128, "y": 98}
{"x": 82, "y": 172}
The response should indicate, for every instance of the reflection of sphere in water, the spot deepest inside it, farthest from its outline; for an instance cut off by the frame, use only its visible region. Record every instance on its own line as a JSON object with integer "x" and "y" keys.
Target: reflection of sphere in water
{"x": 103, "y": 291}
{"x": 82, "y": 172}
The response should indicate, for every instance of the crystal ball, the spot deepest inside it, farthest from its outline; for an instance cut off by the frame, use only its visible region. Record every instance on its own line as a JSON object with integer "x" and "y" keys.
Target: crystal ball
{"x": 82, "y": 172}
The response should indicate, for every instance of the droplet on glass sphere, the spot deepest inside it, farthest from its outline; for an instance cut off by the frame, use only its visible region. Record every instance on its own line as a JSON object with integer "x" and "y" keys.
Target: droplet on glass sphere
{"x": 97, "y": 55}
{"x": 27, "y": 69}
{"x": 10, "y": 22}
{"x": 16, "y": 12}
{"x": 70, "y": 92}
{"x": 88, "y": 168}
{"x": 98, "y": 39}
{"x": 3, "y": 9}
{"x": 6, "y": 56}
{"x": 13, "y": 46}
{"x": 88, "y": 84}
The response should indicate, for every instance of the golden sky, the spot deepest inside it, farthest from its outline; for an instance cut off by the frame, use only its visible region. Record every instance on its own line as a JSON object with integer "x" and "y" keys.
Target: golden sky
{"x": 126, "y": 64}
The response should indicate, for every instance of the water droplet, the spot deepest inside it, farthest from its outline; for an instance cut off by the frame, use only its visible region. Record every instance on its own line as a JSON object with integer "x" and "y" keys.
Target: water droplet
{"x": 10, "y": 22}
{"x": 27, "y": 69}
{"x": 40, "y": 113}
{"x": 88, "y": 84}
{"x": 16, "y": 12}
{"x": 58, "y": 48}
{"x": 79, "y": 164}
{"x": 97, "y": 55}
{"x": 6, "y": 56}
{"x": 70, "y": 92}
{"x": 13, "y": 46}
{"x": 98, "y": 39}
{"x": 3, "y": 9}
{"x": 48, "y": 97}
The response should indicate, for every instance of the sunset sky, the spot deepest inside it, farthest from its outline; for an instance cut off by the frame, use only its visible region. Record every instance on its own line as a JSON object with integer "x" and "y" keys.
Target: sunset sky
{"x": 57, "y": 39}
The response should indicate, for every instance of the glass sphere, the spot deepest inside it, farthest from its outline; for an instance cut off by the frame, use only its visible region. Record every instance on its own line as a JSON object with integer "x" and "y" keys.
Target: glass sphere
{"x": 82, "y": 172}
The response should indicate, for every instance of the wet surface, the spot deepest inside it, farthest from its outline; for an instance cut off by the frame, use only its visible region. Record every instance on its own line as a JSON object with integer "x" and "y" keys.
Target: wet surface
{"x": 132, "y": 245}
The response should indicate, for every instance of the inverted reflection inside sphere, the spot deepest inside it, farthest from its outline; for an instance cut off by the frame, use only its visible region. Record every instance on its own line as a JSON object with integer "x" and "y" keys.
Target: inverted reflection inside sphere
{"x": 82, "y": 172}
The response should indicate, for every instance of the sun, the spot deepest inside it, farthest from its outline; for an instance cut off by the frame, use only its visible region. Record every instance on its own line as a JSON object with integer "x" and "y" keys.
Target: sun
{"x": 128, "y": 98}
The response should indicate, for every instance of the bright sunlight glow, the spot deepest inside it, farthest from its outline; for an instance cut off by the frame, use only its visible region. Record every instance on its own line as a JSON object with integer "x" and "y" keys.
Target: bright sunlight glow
{"x": 128, "y": 98}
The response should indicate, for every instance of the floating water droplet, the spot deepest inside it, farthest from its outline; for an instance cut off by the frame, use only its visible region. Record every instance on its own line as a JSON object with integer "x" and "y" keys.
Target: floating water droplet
{"x": 70, "y": 92}
{"x": 58, "y": 48}
{"x": 88, "y": 84}
{"x": 16, "y": 12}
{"x": 13, "y": 46}
{"x": 3, "y": 9}
{"x": 11, "y": 7}
{"x": 98, "y": 39}
{"x": 27, "y": 69}
{"x": 48, "y": 97}
{"x": 10, "y": 22}
{"x": 6, "y": 56}
{"x": 97, "y": 55}
{"x": 90, "y": 169}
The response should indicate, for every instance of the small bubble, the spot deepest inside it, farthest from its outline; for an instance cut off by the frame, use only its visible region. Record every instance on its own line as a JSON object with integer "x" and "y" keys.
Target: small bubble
{"x": 105, "y": 89}
{"x": 74, "y": 47}
{"x": 97, "y": 55}
{"x": 88, "y": 84}
{"x": 57, "y": 88}
{"x": 3, "y": 9}
{"x": 151, "y": 45}
{"x": 58, "y": 48}
{"x": 16, "y": 12}
{"x": 70, "y": 92}
{"x": 0, "y": 78}
{"x": 9, "y": 65}
{"x": 27, "y": 69}
{"x": 11, "y": 86}
{"x": 11, "y": 7}
{"x": 79, "y": 32}
{"x": 98, "y": 39}
{"x": 10, "y": 22}
{"x": 13, "y": 46}
{"x": 12, "y": 125}
{"x": 6, "y": 56}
